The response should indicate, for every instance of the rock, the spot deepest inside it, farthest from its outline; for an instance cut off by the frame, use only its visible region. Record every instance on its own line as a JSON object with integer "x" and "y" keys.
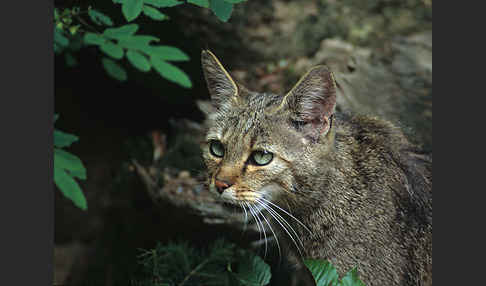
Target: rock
{"x": 395, "y": 85}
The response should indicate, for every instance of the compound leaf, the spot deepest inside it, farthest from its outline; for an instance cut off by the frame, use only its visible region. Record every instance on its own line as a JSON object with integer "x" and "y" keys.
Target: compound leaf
{"x": 60, "y": 39}
{"x": 154, "y": 13}
{"x": 221, "y": 9}
{"x": 62, "y": 139}
{"x": 351, "y": 279}
{"x": 69, "y": 187}
{"x": 114, "y": 70}
{"x": 121, "y": 32}
{"x": 113, "y": 50}
{"x": 93, "y": 39}
{"x": 167, "y": 53}
{"x": 99, "y": 18}
{"x": 138, "y": 60}
{"x": 323, "y": 271}
{"x": 138, "y": 42}
{"x": 131, "y": 9}
{"x": 235, "y": 1}
{"x": 200, "y": 3}
{"x": 171, "y": 72}
{"x": 69, "y": 162}
{"x": 163, "y": 3}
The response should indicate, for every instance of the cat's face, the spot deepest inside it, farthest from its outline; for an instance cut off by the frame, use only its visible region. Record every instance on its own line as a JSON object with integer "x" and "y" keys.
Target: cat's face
{"x": 249, "y": 151}
{"x": 256, "y": 141}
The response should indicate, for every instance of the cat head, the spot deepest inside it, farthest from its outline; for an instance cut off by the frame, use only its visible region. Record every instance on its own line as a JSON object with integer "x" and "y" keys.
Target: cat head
{"x": 258, "y": 142}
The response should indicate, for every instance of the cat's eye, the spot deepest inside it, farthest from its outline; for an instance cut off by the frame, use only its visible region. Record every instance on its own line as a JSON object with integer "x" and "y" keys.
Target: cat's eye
{"x": 216, "y": 148}
{"x": 261, "y": 157}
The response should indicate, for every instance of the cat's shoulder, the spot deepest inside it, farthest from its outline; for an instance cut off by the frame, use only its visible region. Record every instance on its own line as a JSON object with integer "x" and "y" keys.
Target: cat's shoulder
{"x": 369, "y": 130}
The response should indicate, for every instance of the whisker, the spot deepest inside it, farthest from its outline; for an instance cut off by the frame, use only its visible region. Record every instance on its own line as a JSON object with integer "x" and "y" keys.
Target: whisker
{"x": 287, "y": 224}
{"x": 246, "y": 216}
{"x": 272, "y": 213}
{"x": 263, "y": 228}
{"x": 274, "y": 235}
{"x": 252, "y": 211}
{"x": 256, "y": 221}
{"x": 296, "y": 219}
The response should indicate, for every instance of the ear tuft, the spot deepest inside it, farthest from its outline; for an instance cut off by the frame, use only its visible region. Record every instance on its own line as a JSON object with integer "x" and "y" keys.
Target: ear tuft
{"x": 312, "y": 101}
{"x": 220, "y": 84}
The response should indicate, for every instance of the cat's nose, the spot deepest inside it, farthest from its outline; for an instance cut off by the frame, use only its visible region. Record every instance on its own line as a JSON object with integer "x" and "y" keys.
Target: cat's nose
{"x": 221, "y": 185}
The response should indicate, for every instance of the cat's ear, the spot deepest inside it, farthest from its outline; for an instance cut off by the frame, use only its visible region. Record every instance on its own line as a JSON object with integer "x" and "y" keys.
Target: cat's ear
{"x": 312, "y": 101}
{"x": 220, "y": 84}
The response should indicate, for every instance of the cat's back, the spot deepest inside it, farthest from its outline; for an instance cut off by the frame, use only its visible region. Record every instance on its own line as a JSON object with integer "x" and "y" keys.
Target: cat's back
{"x": 395, "y": 176}
{"x": 383, "y": 156}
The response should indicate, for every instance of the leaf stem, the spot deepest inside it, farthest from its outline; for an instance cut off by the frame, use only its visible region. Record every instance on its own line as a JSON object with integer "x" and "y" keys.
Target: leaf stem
{"x": 80, "y": 20}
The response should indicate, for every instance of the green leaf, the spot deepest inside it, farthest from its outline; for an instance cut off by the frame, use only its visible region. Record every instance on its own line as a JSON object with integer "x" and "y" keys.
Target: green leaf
{"x": 253, "y": 271}
{"x": 60, "y": 39}
{"x": 138, "y": 60}
{"x": 76, "y": 43}
{"x": 121, "y": 32}
{"x": 114, "y": 70}
{"x": 235, "y": 1}
{"x": 69, "y": 162}
{"x": 154, "y": 13}
{"x": 200, "y": 3}
{"x": 93, "y": 39}
{"x": 351, "y": 279}
{"x": 69, "y": 187}
{"x": 74, "y": 29}
{"x": 167, "y": 53}
{"x": 112, "y": 50}
{"x": 163, "y": 3}
{"x": 131, "y": 9}
{"x": 324, "y": 273}
{"x": 62, "y": 139}
{"x": 171, "y": 72}
{"x": 138, "y": 42}
{"x": 99, "y": 18}
{"x": 221, "y": 9}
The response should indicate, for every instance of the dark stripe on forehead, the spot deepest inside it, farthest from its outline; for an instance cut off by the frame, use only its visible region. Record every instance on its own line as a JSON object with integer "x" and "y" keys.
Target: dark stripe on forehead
{"x": 247, "y": 117}
{"x": 260, "y": 101}
{"x": 272, "y": 100}
{"x": 258, "y": 97}
{"x": 245, "y": 166}
{"x": 253, "y": 140}
{"x": 230, "y": 122}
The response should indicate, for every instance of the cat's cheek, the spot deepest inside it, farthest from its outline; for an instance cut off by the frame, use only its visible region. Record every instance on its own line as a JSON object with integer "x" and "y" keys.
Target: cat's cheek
{"x": 228, "y": 195}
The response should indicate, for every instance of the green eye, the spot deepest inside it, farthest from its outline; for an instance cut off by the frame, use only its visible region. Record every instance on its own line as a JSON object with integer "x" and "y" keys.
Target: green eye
{"x": 261, "y": 158}
{"x": 216, "y": 148}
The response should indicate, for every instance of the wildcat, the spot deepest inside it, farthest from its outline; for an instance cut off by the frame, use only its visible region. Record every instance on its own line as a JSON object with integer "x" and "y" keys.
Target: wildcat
{"x": 321, "y": 184}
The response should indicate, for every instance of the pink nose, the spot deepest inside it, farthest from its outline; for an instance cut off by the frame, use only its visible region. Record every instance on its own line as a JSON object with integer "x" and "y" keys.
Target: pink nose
{"x": 221, "y": 185}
